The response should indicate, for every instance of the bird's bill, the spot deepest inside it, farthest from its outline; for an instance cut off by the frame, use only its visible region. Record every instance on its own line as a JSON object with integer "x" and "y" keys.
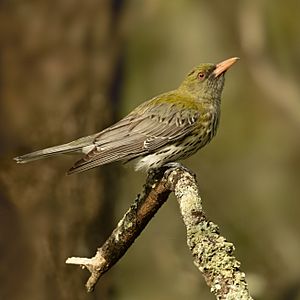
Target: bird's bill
{"x": 224, "y": 66}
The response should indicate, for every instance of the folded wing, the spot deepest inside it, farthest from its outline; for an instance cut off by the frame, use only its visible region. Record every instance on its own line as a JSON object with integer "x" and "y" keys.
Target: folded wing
{"x": 145, "y": 130}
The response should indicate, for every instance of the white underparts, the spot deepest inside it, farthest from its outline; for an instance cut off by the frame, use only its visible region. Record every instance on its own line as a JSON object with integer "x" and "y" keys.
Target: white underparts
{"x": 155, "y": 160}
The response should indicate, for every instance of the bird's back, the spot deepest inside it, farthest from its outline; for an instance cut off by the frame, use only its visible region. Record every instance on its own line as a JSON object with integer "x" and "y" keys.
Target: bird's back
{"x": 167, "y": 128}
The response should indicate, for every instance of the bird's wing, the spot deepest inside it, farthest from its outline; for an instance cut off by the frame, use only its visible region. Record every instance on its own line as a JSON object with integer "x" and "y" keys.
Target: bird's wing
{"x": 141, "y": 132}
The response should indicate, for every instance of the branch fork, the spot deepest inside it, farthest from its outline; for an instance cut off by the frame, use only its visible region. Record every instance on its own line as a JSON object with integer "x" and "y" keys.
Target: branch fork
{"x": 212, "y": 253}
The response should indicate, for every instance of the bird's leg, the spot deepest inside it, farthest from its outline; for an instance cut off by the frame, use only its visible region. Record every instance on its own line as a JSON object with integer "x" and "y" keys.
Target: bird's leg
{"x": 170, "y": 165}
{"x": 174, "y": 165}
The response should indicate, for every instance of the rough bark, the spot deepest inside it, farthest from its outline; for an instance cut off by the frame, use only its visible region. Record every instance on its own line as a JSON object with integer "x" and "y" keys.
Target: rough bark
{"x": 212, "y": 253}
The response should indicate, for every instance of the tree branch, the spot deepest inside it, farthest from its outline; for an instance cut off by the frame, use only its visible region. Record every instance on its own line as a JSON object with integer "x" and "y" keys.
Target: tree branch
{"x": 212, "y": 253}
{"x": 128, "y": 229}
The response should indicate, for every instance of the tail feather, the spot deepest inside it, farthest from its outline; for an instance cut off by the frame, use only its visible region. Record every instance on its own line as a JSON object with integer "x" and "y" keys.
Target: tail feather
{"x": 80, "y": 145}
{"x": 61, "y": 149}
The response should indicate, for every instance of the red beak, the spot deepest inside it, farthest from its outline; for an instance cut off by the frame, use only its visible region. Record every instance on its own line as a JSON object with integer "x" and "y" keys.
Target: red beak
{"x": 223, "y": 66}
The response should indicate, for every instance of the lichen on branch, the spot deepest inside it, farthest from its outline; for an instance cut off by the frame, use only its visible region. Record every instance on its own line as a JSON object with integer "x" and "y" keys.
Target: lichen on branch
{"x": 212, "y": 253}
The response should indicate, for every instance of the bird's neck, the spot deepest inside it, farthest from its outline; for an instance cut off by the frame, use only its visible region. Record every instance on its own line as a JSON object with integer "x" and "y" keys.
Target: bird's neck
{"x": 203, "y": 96}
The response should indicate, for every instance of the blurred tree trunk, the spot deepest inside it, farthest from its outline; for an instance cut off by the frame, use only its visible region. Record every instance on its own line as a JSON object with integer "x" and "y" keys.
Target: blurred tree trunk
{"x": 60, "y": 76}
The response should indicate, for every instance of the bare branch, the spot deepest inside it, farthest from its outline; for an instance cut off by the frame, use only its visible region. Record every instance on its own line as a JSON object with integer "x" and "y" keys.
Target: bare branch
{"x": 128, "y": 229}
{"x": 212, "y": 253}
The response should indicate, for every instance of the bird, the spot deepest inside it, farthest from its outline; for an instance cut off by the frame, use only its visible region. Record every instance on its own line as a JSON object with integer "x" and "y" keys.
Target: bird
{"x": 165, "y": 129}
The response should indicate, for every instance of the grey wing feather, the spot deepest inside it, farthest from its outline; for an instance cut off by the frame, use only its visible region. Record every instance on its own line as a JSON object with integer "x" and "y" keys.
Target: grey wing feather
{"x": 137, "y": 135}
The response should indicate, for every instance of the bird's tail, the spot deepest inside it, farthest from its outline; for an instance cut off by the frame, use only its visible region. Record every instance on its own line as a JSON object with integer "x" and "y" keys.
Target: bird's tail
{"x": 79, "y": 145}
{"x": 65, "y": 148}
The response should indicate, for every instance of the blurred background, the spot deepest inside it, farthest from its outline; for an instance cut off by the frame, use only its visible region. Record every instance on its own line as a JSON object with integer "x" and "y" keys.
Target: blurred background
{"x": 71, "y": 68}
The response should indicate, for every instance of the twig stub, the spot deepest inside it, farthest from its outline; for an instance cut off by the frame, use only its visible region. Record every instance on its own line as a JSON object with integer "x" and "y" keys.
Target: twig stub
{"x": 128, "y": 229}
{"x": 212, "y": 253}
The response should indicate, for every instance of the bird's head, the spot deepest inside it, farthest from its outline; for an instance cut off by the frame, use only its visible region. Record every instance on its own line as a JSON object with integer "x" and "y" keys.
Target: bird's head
{"x": 207, "y": 80}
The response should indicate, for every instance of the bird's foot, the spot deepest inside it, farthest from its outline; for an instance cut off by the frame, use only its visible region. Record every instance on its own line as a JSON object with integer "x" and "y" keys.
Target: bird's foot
{"x": 167, "y": 168}
{"x": 175, "y": 165}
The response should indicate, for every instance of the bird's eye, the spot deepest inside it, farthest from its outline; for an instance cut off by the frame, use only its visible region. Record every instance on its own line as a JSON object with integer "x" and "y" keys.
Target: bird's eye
{"x": 200, "y": 76}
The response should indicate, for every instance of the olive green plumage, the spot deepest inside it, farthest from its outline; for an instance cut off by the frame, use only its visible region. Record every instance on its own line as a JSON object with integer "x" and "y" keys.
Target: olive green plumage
{"x": 167, "y": 128}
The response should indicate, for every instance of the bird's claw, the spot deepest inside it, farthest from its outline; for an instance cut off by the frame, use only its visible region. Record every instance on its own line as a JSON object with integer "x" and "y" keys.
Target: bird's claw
{"x": 175, "y": 165}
